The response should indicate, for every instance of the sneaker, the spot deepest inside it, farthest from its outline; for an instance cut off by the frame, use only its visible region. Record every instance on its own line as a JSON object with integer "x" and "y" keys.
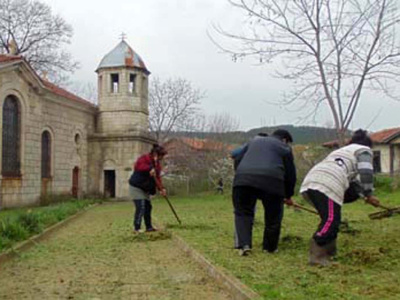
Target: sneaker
{"x": 151, "y": 229}
{"x": 271, "y": 252}
{"x": 136, "y": 231}
{"x": 245, "y": 251}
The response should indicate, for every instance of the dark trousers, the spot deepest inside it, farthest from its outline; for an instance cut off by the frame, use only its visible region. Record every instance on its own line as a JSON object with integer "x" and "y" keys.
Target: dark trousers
{"x": 143, "y": 209}
{"x": 330, "y": 214}
{"x": 244, "y": 201}
{"x": 235, "y": 236}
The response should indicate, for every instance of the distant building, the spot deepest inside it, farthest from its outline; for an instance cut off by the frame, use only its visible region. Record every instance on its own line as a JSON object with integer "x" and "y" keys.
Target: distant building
{"x": 193, "y": 153}
{"x": 54, "y": 142}
{"x": 386, "y": 149}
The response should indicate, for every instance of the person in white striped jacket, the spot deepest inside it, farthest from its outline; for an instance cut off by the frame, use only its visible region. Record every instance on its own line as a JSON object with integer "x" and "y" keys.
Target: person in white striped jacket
{"x": 343, "y": 176}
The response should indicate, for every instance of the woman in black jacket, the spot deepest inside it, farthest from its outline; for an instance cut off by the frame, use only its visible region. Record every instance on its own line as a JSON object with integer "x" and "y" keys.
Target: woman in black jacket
{"x": 144, "y": 182}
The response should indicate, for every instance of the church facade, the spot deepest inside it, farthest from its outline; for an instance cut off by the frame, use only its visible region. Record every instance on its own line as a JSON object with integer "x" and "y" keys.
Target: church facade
{"x": 56, "y": 143}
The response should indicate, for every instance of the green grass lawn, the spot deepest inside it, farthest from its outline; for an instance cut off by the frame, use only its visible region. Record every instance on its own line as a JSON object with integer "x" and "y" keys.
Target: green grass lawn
{"x": 19, "y": 224}
{"x": 368, "y": 250}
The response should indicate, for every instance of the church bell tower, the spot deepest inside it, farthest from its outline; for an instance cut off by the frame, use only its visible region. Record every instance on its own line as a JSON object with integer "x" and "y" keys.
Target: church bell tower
{"x": 122, "y": 127}
{"x": 122, "y": 91}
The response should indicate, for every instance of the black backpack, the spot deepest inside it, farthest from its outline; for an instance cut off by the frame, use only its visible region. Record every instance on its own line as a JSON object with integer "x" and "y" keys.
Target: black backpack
{"x": 143, "y": 181}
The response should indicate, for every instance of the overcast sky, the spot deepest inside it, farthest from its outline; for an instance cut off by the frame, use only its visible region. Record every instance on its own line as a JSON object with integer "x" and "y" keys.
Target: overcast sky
{"x": 171, "y": 37}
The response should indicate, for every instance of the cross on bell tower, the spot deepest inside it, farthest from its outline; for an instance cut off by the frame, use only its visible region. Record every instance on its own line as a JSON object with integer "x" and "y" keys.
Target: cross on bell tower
{"x": 123, "y": 36}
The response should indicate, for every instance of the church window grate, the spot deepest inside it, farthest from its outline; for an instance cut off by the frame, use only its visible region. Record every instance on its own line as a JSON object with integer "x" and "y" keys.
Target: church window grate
{"x": 46, "y": 155}
{"x": 11, "y": 163}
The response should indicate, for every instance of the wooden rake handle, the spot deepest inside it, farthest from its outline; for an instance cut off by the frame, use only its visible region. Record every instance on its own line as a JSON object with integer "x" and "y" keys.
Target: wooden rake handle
{"x": 304, "y": 208}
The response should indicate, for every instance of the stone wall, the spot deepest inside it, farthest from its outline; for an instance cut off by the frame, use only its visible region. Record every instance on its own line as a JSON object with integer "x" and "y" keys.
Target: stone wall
{"x": 124, "y": 110}
{"x": 68, "y": 122}
{"x": 118, "y": 153}
{"x": 91, "y": 140}
{"x": 122, "y": 133}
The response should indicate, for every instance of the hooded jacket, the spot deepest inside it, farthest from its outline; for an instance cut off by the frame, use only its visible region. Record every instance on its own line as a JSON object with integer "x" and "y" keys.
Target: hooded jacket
{"x": 333, "y": 175}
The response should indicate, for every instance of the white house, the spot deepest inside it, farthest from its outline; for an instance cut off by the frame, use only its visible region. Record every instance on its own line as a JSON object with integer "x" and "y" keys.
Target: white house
{"x": 386, "y": 148}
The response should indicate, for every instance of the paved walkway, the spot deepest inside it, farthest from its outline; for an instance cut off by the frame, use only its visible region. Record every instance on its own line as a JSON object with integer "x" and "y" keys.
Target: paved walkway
{"x": 97, "y": 257}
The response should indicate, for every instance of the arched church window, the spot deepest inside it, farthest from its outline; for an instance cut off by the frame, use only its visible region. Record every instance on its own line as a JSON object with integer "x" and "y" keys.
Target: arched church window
{"x": 11, "y": 159}
{"x": 46, "y": 154}
{"x": 77, "y": 139}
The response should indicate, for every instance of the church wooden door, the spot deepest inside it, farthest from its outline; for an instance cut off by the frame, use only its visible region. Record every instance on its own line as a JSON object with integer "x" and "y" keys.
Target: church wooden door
{"x": 75, "y": 182}
{"x": 109, "y": 183}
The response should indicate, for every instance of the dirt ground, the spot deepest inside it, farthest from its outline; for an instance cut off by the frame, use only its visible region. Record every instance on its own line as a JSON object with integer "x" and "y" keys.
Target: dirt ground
{"x": 98, "y": 257}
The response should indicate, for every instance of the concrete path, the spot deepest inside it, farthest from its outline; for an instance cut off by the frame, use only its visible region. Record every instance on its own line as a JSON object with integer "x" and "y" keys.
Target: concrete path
{"x": 98, "y": 257}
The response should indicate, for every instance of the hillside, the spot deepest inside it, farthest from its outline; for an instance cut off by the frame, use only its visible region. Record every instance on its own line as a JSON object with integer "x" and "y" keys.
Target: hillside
{"x": 301, "y": 134}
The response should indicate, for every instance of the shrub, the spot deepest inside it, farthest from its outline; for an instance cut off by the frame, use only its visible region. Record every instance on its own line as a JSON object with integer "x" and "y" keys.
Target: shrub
{"x": 19, "y": 224}
{"x": 54, "y": 199}
{"x": 307, "y": 156}
{"x": 181, "y": 185}
{"x": 48, "y": 218}
{"x": 4, "y": 242}
{"x": 12, "y": 230}
{"x": 30, "y": 221}
{"x": 383, "y": 183}
{"x": 61, "y": 214}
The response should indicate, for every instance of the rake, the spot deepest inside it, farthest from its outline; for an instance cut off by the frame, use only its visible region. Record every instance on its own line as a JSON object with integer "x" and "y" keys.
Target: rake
{"x": 386, "y": 213}
{"x": 159, "y": 186}
{"x": 173, "y": 210}
{"x": 304, "y": 208}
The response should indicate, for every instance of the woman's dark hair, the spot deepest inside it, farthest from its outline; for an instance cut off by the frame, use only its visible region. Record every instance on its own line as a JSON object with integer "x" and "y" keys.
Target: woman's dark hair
{"x": 283, "y": 134}
{"x": 361, "y": 137}
{"x": 159, "y": 150}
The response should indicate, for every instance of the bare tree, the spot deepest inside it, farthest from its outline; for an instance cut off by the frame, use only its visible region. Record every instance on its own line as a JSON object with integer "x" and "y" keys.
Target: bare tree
{"x": 331, "y": 50}
{"x": 86, "y": 90}
{"x": 221, "y": 126}
{"x": 31, "y": 29}
{"x": 202, "y": 157}
{"x": 173, "y": 105}
{"x": 222, "y": 123}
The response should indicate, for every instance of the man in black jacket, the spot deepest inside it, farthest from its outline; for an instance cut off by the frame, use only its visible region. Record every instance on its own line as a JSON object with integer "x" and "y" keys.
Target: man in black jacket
{"x": 265, "y": 172}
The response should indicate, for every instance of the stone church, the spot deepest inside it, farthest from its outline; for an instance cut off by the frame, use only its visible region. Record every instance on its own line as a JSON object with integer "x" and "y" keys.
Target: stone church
{"x": 56, "y": 143}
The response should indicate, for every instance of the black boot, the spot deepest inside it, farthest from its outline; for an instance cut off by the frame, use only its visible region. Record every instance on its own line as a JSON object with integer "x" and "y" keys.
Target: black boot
{"x": 321, "y": 255}
{"x": 331, "y": 248}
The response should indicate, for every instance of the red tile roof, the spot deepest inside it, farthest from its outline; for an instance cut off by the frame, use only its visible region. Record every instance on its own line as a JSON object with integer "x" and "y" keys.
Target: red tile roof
{"x": 50, "y": 86}
{"x": 8, "y": 58}
{"x": 64, "y": 93}
{"x": 379, "y": 137}
{"x": 385, "y": 135}
{"x": 333, "y": 144}
{"x": 203, "y": 144}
